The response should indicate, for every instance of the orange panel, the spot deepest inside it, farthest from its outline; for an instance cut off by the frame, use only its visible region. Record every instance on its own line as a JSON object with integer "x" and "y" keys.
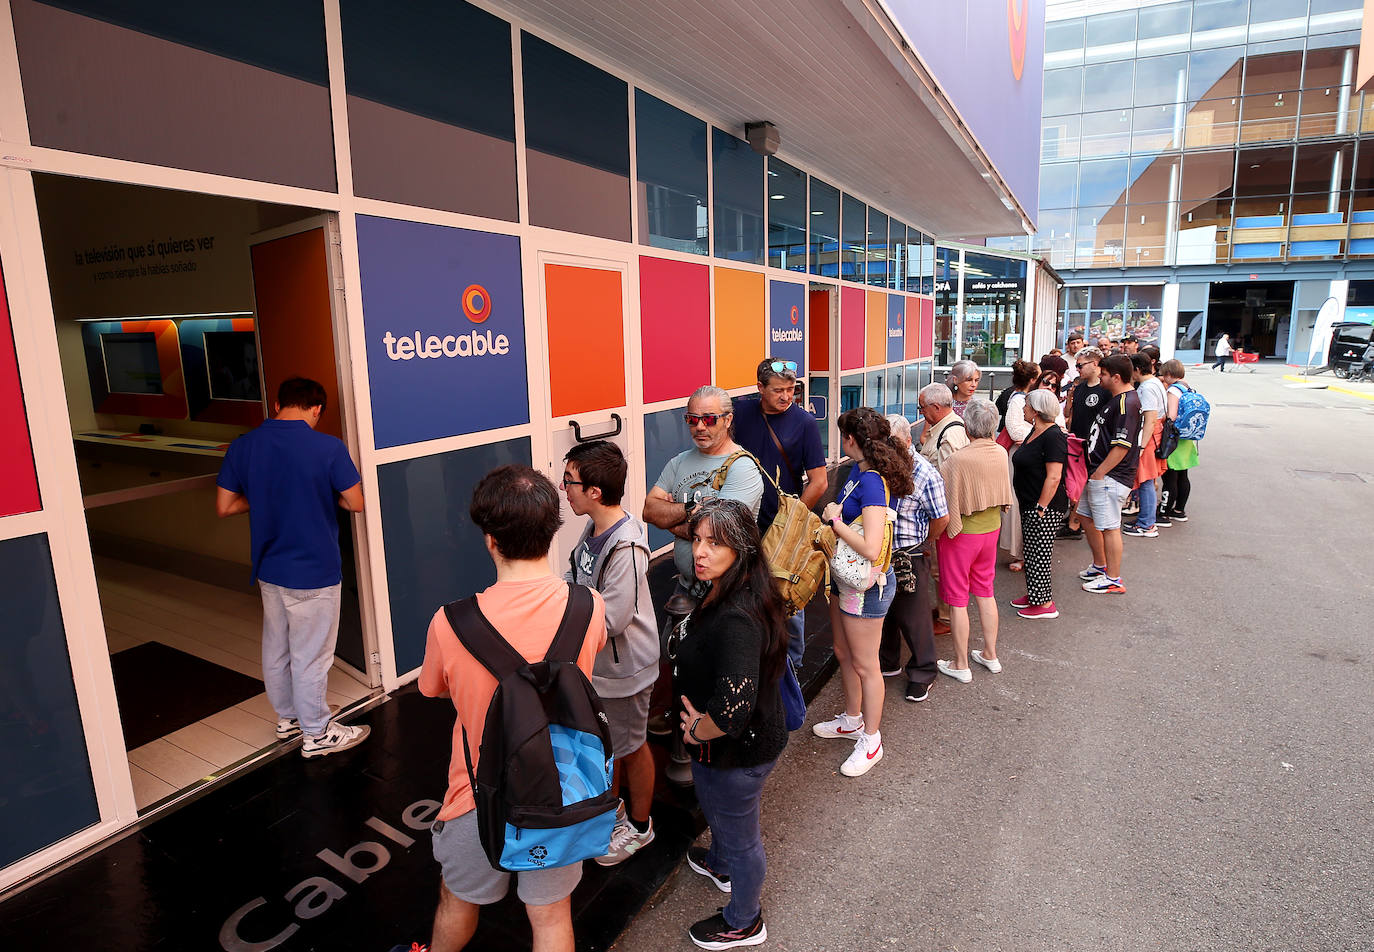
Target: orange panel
{"x": 295, "y": 323}
{"x": 875, "y": 329}
{"x": 585, "y": 313}
{"x": 818, "y": 332}
{"x": 741, "y": 327}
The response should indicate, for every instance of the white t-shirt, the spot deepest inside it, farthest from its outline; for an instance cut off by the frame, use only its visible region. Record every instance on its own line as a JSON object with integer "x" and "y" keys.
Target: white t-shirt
{"x": 1224, "y": 346}
{"x": 1152, "y": 396}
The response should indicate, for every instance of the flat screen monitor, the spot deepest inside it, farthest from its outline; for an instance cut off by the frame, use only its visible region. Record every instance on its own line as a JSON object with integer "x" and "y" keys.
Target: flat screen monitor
{"x": 131, "y": 364}
{"x": 231, "y": 359}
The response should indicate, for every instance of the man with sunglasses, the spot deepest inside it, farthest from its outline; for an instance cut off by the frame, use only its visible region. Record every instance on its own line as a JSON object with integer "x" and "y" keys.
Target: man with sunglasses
{"x": 786, "y": 440}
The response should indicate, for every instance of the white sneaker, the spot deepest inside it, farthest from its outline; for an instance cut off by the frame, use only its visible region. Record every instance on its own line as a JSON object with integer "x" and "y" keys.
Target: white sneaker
{"x": 992, "y": 664}
{"x": 336, "y": 737}
{"x": 963, "y": 675}
{"x": 626, "y": 841}
{"x": 288, "y": 727}
{"x": 866, "y": 753}
{"x": 1091, "y": 572}
{"x": 841, "y": 725}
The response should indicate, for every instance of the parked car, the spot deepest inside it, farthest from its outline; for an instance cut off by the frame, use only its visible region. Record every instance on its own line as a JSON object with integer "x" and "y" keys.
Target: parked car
{"x": 1350, "y": 348}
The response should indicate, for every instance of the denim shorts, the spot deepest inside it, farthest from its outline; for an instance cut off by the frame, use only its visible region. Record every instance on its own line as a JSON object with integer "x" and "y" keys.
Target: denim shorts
{"x": 468, "y": 873}
{"x": 873, "y": 603}
{"x": 1101, "y": 501}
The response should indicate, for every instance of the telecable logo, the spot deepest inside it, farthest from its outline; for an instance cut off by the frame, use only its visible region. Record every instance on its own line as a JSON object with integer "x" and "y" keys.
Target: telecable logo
{"x": 476, "y": 303}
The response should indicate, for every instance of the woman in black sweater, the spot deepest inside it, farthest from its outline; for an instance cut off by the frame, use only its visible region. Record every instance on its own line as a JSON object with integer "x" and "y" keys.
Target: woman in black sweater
{"x": 727, "y": 657}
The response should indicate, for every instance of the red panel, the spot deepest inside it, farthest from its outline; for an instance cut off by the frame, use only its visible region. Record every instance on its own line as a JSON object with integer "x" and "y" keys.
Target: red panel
{"x": 853, "y": 312}
{"x": 927, "y": 327}
{"x": 818, "y": 332}
{"x": 675, "y": 327}
{"x": 18, "y": 481}
{"x": 911, "y": 346}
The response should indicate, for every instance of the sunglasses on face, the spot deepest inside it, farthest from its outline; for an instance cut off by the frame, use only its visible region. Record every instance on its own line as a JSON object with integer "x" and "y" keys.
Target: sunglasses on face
{"x": 705, "y": 419}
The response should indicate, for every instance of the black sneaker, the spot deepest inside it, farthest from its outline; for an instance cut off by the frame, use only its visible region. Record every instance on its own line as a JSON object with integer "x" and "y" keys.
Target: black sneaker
{"x": 1162, "y": 519}
{"x": 716, "y": 933}
{"x": 917, "y": 692}
{"x": 1066, "y": 533}
{"x": 696, "y": 858}
{"x": 1178, "y": 515}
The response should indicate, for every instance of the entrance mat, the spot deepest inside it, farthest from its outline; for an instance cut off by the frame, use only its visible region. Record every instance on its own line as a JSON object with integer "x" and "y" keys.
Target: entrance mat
{"x": 162, "y": 689}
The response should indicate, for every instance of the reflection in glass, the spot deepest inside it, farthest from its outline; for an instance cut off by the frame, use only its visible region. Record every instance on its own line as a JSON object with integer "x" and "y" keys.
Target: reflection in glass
{"x": 1164, "y": 28}
{"x": 1214, "y": 122}
{"x": 1215, "y": 74}
{"x": 1203, "y": 231}
{"x": 670, "y": 153}
{"x": 786, "y": 215}
{"x": 1055, "y": 236}
{"x": 1099, "y": 236}
{"x": 854, "y": 240}
{"x": 1059, "y": 138}
{"x": 1101, "y": 182}
{"x": 927, "y": 264}
{"x": 1063, "y": 91}
{"x": 1266, "y": 171}
{"x": 824, "y": 228}
{"x": 1058, "y": 185}
{"x": 1110, "y": 36}
{"x": 899, "y": 264}
{"x": 1161, "y": 79}
{"x": 820, "y": 387}
{"x": 946, "y": 303}
{"x": 1147, "y": 234}
{"x": 877, "y": 248}
{"x": 851, "y": 392}
{"x": 994, "y": 292}
{"x": 1156, "y": 128}
{"x": 1108, "y": 86}
{"x": 738, "y": 171}
{"x": 873, "y": 389}
{"x": 892, "y": 397}
{"x": 1106, "y": 133}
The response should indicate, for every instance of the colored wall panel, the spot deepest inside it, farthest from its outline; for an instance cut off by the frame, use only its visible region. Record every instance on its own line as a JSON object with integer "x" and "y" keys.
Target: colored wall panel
{"x": 295, "y": 317}
{"x": 740, "y": 329}
{"x": 434, "y": 552}
{"x": 675, "y": 327}
{"x": 46, "y": 784}
{"x": 911, "y": 346}
{"x": 896, "y": 327}
{"x": 927, "y": 327}
{"x": 851, "y": 328}
{"x": 818, "y": 330}
{"x": 787, "y": 323}
{"x": 18, "y": 481}
{"x": 585, "y": 314}
{"x": 444, "y": 316}
{"x": 875, "y": 328}
{"x": 665, "y": 436}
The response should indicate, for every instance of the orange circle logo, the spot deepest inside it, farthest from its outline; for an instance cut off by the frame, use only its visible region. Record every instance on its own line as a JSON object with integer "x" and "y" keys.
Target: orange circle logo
{"x": 794, "y": 315}
{"x": 476, "y": 303}
{"x": 1017, "y": 28}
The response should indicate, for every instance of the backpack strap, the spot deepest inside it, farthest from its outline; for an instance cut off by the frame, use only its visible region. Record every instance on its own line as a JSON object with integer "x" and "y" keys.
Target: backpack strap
{"x": 778, "y": 443}
{"x": 481, "y": 639}
{"x": 720, "y": 475}
{"x": 572, "y": 630}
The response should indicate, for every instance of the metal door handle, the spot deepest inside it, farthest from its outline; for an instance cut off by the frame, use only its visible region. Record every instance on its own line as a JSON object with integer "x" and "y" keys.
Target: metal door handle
{"x": 577, "y": 430}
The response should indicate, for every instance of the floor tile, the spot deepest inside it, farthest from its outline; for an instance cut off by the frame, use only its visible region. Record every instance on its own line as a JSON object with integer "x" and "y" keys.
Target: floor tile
{"x": 209, "y": 744}
{"x": 170, "y": 763}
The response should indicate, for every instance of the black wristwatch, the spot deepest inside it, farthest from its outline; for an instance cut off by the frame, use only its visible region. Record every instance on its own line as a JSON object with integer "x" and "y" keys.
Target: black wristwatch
{"x": 688, "y": 506}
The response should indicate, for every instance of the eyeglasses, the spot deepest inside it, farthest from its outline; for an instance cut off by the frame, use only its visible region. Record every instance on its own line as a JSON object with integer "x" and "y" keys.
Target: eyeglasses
{"x": 780, "y": 366}
{"x": 570, "y": 482}
{"x": 705, "y": 419}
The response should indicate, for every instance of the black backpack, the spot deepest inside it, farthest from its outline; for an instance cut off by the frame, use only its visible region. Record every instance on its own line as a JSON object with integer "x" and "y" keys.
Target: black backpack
{"x": 543, "y": 780}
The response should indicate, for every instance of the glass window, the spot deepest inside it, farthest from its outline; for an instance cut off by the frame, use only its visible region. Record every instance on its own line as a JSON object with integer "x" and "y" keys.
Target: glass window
{"x": 738, "y": 171}
{"x": 670, "y": 152}
{"x": 1215, "y": 74}
{"x": 1218, "y": 14}
{"x": 1264, "y": 171}
{"x": 1155, "y": 128}
{"x": 927, "y": 264}
{"x": 1212, "y": 122}
{"x": 1110, "y": 36}
{"x": 1325, "y": 68}
{"x": 1206, "y": 175}
{"x": 577, "y": 143}
{"x": 820, "y": 384}
{"x": 1057, "y": 185}
{"x": 1102, "y": 182}
{"x": 825, "y": 228}
{"x": 877, "y": 248}
{"x": 873, "y": 389}
{"x": 1203, "y": 232}
{"x": 1055, "y": 237}
{"x": 1328, "y": 16}
{"x": 1164, "y": 29}
{"x": 1147, "y": 234}
{"x": 854, "y": 243}
{"x": 1059, "y": 138}
{"x": 1151, "y": 178}
{"x": 892, "y": 400}
{"x": 946, "y": 303}
{"x": 1324, "y": 168}
{"x": 897, "y": 258}
{"x": 1272, "y": 19}
{"x": 1161, "y": 79}
{"x": 1107, "y": 86}
{"x": 1063, "y": 35}
{"x": 1063, "y": 92}
{"x": 1319, "y": 114}
{"x": 912, "y": 381}
{"x": 1272, "y": 72}
{"x": 851, "y": 392}
{"x": 1364, "y": 166}
{"x": 1106, "y": 133}
{"x": 1268, "y": 117}
{"x": 786, "y": 216}
{"x": 994, "y": 295}
{"x": 1099, "y": 236}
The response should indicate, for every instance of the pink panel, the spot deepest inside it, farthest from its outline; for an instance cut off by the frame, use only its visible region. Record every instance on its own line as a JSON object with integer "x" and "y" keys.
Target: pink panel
{"x": 852, "y": 317}
{"x": 675, "y": 327}
{"x": 18, "y": 481}
{"x": 927, "y": 327}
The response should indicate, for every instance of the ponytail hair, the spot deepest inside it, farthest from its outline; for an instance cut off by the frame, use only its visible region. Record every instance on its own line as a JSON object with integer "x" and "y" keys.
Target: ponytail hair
{"x": 884, "y": 455}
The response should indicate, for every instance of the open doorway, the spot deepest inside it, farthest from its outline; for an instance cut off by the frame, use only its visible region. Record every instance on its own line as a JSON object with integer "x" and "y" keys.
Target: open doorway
{"x": 178, "y": 315}
{"x": 1255, "y": 314}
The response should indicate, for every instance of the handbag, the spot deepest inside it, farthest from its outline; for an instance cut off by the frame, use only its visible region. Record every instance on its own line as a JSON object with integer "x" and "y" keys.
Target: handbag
{"x": 1004, "y": 440}
{"x": 904, "y": 569}
{"x": 851, "y": 569}
{"x": 1168, "y": 440}
{"x": 793, "y": 703}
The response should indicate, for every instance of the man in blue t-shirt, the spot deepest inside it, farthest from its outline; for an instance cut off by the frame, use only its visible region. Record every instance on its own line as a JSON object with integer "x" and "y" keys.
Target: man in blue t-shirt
{"x": 787, "y": 442}
{"x": 288, "y": 478}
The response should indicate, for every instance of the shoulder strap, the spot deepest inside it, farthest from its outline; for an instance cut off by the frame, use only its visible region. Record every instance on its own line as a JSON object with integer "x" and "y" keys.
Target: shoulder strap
{"x": 718, "y": 479}
{"x": 778, "y": 443}
{"x": 572, "y": 630}
{"x": 481, "y": 639}
{"x": 949, "y": 426}
{"x": 606, "y": 561}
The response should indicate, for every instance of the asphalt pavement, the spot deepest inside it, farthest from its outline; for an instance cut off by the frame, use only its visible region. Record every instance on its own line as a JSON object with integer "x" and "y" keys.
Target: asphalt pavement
{"x": 1186, "y": 766}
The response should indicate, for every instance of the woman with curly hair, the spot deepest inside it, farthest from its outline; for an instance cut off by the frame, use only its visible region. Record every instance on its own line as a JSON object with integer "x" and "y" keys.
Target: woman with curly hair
{"x": 881, "y": 473}
{"x": 727, "y": 657}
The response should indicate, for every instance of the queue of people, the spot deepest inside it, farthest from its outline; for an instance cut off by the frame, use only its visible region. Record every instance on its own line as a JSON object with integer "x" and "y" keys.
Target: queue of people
{"x": 925, "y": 515}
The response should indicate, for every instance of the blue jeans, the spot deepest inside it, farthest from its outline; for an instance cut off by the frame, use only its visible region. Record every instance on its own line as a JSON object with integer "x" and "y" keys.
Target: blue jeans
{"x": 729, "y": 799}
{"x": 796, "y": 638}
{"x": 299, "y": 629}
{"x": 1149, "y": 501}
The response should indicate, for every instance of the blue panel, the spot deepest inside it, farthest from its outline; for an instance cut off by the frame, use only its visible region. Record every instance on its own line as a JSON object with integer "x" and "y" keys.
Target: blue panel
{"x": 1327, "y": 248}
{"x": 1362, "y": 246}
{"x": 434, "y": 553}
{"x": 45, "y": 784}
{"x": 1260, "y": 221}
{"x": 1362, "y": 217}
{"x": 818, "y": 403}
{"x": 445, "y": 323}
{"x": 1319, "y": 218}
{"x": 786, "y": 323}
{"x": 1257, "y": 249}
{"x": 896, "y": 309}
{"x": 665, "y": 436}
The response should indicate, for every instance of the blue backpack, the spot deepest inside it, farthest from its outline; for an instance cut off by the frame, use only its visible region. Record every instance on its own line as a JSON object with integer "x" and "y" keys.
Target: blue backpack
{"x": 1193, "y": 413}
{"x": 543, "y": 781}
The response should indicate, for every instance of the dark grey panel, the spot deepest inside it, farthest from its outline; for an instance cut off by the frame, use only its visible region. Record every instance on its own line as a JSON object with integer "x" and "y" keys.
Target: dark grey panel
{"x": 45, "y": 784}
{"x": 665, "y": 436}
{"x": 434, "y": 553}
{"x": 91, "y": 86}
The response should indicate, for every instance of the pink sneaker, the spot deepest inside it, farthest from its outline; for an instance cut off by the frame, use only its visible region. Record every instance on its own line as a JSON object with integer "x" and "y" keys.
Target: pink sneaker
{"x": 1039, "y": 611}
{"x": 1022, "y": 602}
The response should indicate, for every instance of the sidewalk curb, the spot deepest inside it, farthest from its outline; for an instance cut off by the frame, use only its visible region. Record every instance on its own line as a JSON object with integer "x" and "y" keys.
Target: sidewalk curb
{"x": 1296, "y": 378}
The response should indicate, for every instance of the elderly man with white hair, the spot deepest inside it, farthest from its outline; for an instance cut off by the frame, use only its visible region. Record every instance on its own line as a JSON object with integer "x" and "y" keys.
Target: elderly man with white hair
{"x": 921, "y": 516}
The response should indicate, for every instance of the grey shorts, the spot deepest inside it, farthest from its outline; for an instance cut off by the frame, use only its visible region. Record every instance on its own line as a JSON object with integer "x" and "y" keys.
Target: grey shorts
{"x": 629, "y": 717}
{"x": 468, "y": 874}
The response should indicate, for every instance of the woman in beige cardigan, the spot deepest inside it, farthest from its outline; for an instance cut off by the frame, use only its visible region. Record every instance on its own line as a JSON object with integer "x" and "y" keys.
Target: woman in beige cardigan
{"x": 978, "y": 489}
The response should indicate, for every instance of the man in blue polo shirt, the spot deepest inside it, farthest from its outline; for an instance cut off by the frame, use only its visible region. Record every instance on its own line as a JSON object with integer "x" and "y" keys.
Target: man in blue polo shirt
{"x": 288, "y": 478}
{"x": 787, "y": 442}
